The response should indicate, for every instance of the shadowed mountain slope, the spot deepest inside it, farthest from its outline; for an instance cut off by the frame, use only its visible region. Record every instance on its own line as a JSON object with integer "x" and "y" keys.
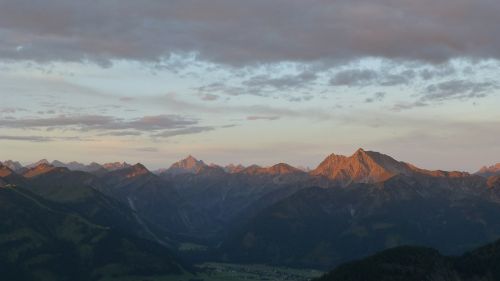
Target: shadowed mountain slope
{"x": 416, "y": 264}
{"x": 42, "y": 240}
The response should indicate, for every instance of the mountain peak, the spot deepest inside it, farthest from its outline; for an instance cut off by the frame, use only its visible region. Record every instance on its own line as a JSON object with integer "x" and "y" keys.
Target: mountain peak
{"x": 283, "y": 168}
{"x": 5, "y": 171}
{"x": 360, "y": 151}
{"x": 115, "y": 166}
{"x": 232, "y": 168}
{"x": 13, "y": 165}
{"x": 278, "y": 169}
{"x": 137, "y": 170}
{"x": 362, "y": 166}
{"x": 43, "y": 161}
{"x": 487, "y": 171}
{"x": 40, "y": 169}
{"x": 189, "y": 165}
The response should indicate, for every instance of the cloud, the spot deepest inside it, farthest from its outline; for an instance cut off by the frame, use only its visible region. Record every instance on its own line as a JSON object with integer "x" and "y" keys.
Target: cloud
{"x": 284, "y": 82}
{"x": 10, "y": 110}
{"x": 121, "y": 133}
{"x": 274, "y": 31}
{"x": 270, "y": 118}
{"x": 185, "y": 131}
{"x": 101, "y": 122}
{"x": 400, "y": 106}
{"x": 40, "y": 138}
{"x": 209, "y": 97}
{"x": 376, "y": 97}
{"x": 26, "y": 138}
{"x": 458, "y": 89}
{"x": 126, "y": 99}
{"x": 354, "y": 77}
{"x": 147, "y": 149}
{"x": 173, "y": 102}
{"x": 370, "y": 77}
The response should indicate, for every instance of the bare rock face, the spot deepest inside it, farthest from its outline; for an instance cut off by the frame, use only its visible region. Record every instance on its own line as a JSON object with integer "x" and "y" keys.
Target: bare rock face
{"x": 115, "y": 166}
{"x": 373, "y": 167}
{"x": 39, "y": 170}
{"x": 232, "y": 168}
{"x": 14, "y": 166}
{"x": 189, "y": 165}
{"x": 361, "y": 167}
{"x": 278, "y": 169}
{"x": 5, "y": 171}
{"x": 493, "y": 170}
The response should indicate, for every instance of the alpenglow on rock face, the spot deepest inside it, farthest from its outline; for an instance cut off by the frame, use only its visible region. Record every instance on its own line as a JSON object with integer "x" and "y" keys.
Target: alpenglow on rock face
{"x": 493, "y": 170}
{"x": 362, "y": 167}
{"x": 189, "y": 165}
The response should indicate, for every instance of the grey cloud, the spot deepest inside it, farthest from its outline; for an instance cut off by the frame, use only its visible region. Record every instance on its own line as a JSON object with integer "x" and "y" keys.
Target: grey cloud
{"x": 376, "y": 97}
{"x": 147, "y": 149}
{"x": 209, "y": 97}
{"x": 274, "y": 31}
{"x": 354, "y": 77}
{"x": 408, "y": 105}
{"x": 26, "y": 138}
{"x": 121, "y": 133}
{"x": 184, "y": 131}
{"x": 270, "y": 118}
{"x": 100, "y": 122}
{"x": 172, "y": 101}
{"x": 10, "y": 110}
{"x": 284, "y": 82}
{"x": 458, "y": 89}
{"x": 40, "y": 138}
{"x": 126, "y": 99}
{"x": 370, "y": 77}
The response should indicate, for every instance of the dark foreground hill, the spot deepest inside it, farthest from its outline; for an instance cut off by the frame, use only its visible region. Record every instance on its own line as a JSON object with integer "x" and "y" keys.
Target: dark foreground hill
{"x": 43, "y": 240}
{"x": 417, "y": 264}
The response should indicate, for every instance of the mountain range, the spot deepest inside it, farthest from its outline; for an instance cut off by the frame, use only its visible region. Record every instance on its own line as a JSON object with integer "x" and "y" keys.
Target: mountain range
{"x": 347, "y": 208}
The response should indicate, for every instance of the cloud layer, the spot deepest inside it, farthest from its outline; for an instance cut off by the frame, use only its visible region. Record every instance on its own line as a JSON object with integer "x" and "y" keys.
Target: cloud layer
{"x": 237, "y": 32}
{"x": 159, "y": 125}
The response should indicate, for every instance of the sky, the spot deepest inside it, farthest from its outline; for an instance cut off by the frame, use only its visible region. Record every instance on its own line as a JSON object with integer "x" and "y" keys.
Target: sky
{"x": 251, "y": 82}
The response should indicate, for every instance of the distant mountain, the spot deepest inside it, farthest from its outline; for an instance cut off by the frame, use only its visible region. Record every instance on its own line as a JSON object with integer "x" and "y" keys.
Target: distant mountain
{"x": 38, "y": 163}
{"x": 9, "y": 177}
{"x": 318, "y": 227}
{"x": 371, "y": 167}
{"x": 278, "y": 169}
{"x": 231, "y": 168}
{"x": 79, "y": 192}
{"x": 189, "y": 165}
{"x": 417, "y": 263}
{"x": 489, "y": 171}
{"x": 225, "y": 199}
{"x": 115, "y": 166}
{"x": 371, "y": 202}
{"x": 347, "y": 208}
{"x": 361, "y": 167}
{"x": 40, "y": 169}
{"x": 76, "y": 166}
{"x": 5, "y": 171}
{"x": 14, "y": 166}
{"x": 150, "y": 196}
